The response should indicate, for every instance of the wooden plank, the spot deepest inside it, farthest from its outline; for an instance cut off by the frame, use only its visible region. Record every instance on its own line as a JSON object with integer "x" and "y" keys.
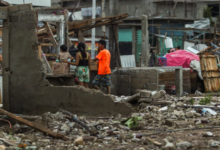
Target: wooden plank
{"x": 66, "y": 28}
{"x": 203, "y": 51}
{"x": 172, "y": 74}
{"x": 46, "y": 44}
{"x": 172, "y": 79}
{"x": 50, "y": 34}
{"x": 80, "y": 36}
{"x": 39, "y": 51}
{"x": 185, "y": 82}
{"x": 34, "y": 125}
{"x": 99, "y": 19}
{"x": 115, "y": 28}
{"x": 205, "y": 82}
{"x": 50, "y": 55}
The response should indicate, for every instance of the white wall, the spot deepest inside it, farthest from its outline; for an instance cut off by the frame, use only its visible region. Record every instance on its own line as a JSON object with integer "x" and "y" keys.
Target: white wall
{"x": 46, "y": 3}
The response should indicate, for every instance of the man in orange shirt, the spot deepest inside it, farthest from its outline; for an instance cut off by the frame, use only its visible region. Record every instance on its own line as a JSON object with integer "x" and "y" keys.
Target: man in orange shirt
{"x": 104, "y": 71}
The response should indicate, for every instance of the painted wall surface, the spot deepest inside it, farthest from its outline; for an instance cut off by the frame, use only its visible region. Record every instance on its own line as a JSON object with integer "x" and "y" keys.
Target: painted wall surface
{"x": 125, "y": 35}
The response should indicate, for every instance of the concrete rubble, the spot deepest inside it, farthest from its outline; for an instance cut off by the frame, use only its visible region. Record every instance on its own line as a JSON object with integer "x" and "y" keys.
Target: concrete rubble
{"x": 177, "y": 125}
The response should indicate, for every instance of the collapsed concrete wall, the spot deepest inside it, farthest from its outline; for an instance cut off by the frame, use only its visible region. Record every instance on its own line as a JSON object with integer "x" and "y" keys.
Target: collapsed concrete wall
{"x": 128, "y": 81}
{"x": 26, "y": 89}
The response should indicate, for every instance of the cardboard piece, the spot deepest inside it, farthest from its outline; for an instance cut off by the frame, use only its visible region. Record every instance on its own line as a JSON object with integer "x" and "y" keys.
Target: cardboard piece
{"x": 94, "y": 66}
{"x": 60, "y": 68}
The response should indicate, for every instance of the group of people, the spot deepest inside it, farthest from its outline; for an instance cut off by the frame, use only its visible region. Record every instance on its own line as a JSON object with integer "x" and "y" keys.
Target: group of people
{"x": 174, "y": 49}
{"x": 83, "y": 61}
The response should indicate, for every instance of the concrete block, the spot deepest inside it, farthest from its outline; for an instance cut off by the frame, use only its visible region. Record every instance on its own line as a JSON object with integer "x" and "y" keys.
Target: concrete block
{"x": 153, "y": 80}
{"x": 137, "y": 86}
{"x": 26, "y": 18}
{"x": 13, "y": 8}
{"x": 25, "y": 7}
{"x": 124, "y": 78}
{"x": 31, "y": 26}
{"x": 3, "y": 13}
{"x": 124, "y": 91}
{"x": 145, "y": 100}
{"x": 145, "y": 80}
{"x": 122, "y": 108}
{"x": 14, "y": 18}
{"x": 145, "y": 93}
{"x": 152, "y": 86}
{"x": 124, "y": 72}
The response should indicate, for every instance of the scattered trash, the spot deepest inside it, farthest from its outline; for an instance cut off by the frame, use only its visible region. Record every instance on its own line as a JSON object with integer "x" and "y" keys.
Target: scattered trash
{"x": 207, "y": 134}
{"x": 163, "y": 109}
{"x": 213, "y": 143}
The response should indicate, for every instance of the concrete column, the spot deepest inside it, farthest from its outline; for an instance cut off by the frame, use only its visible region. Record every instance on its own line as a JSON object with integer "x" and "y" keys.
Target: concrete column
{"x": 145, "y": 41}
{"x": 60, "y": 35}
{"x": 179, "y": 82}
{"x": 6, "y": 64}
{"x": 134, "y": 37}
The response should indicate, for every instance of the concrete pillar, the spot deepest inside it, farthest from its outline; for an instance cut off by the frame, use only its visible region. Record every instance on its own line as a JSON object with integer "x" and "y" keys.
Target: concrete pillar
{"x": 6, "y": 64}
{"x": 60, "y": 35}
{"x": 134, "y": 37}
{"x": 145, "y": 41}
{"x": 179, "y": 82}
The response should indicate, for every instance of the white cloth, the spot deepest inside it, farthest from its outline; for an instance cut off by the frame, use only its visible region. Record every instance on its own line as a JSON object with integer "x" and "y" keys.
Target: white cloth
{"x": 169, "y": 42}
{"x": 195, "y": 65}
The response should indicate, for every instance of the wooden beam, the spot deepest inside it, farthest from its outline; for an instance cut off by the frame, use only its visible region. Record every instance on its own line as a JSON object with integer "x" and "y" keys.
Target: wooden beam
{"x": 80, "y": 36}
{"x": 50, "y": 55}
{"x": 115, "y": 27}
{"x": 98, "y": 19}
{"x": 50, "y": 34}
{"x": 46, "y": 44}
{"x": 34, "y": 125}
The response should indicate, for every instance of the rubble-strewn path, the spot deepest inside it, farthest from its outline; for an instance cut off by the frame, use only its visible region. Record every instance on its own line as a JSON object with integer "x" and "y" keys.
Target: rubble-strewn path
{"x": 183, "y": 124}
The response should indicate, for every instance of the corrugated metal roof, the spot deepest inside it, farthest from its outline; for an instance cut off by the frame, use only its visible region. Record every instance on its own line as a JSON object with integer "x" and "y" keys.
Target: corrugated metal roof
{"x": 199, "y": 24}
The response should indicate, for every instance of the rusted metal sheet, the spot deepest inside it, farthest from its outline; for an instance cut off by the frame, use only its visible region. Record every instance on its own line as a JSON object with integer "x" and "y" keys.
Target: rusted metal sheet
{"x": 210, "y": 72}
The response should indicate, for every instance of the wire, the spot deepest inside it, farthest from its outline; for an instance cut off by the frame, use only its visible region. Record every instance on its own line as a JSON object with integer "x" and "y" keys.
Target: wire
{"x": 6, "y": 121}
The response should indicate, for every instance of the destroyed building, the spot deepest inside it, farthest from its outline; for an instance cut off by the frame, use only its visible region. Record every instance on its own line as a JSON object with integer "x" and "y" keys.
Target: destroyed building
{"x": 165, "y": 75}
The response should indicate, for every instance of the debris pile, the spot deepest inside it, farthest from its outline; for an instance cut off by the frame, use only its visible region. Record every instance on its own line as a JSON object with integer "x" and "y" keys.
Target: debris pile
{"x": 183, "y": 123}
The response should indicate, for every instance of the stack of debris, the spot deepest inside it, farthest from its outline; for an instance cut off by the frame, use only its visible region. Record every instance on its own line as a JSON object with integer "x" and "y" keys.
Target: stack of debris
{"x": 182, "y": 123}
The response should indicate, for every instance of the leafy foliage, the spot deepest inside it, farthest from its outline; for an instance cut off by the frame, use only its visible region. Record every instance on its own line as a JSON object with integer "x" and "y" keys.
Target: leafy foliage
{"x": 207, "y": 13}
{"x": 205, "y": 100}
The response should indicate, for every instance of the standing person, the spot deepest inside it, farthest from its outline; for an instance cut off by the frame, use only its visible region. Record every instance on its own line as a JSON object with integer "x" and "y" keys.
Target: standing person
{"x": 83, "y": 60}
{"x": 64, "y": 55}
{"x": 104, "y": 71}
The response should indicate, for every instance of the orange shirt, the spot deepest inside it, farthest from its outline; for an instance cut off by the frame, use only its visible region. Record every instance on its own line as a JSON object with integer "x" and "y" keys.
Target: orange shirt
{"x": 104, "y": 58}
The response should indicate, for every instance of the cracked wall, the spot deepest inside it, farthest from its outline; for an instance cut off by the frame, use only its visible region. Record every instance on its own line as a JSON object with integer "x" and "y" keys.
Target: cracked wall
{"x": 27, "y": 91}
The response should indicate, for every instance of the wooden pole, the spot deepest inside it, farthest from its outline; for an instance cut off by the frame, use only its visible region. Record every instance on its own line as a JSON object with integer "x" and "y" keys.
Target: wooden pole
{"x": 117, "y": 46}
{"x": 39, "y": 51}
{"x": 34, "y": 125}
{"x": 50, "y": 34}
